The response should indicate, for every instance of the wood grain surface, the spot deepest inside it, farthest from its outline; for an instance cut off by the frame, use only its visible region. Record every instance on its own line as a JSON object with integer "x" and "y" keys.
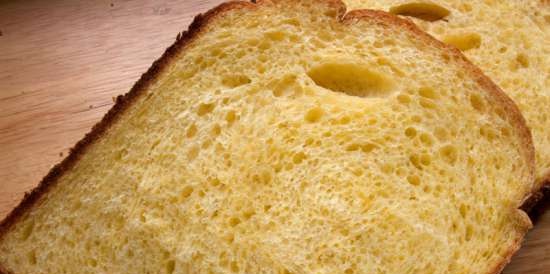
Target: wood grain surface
{"x": 62, "y": 62}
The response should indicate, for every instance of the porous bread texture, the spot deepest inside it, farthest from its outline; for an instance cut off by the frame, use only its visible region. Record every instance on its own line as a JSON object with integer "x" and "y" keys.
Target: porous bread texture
{"x": 287, "y": 137}
{"x": 508, "y": 39}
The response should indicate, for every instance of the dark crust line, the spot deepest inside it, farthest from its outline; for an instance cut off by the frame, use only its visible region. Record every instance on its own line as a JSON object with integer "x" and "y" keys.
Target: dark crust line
{"x": 123, "y": 102}
{"x": 538, "y": 203}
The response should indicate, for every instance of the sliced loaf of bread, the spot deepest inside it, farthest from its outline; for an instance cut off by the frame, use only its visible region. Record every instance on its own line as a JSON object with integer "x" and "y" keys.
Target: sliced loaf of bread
{"x": 289, "y": 137}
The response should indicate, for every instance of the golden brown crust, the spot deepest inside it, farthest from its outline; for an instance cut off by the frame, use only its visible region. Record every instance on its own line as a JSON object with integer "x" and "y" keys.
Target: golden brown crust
{"x": 200, "y": 22}
{"x": 524, "y": 227}
{"x": 506, "y": 260}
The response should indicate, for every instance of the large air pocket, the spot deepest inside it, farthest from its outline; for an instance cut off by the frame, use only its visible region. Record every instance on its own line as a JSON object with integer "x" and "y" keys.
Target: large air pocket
{"x": 463, "y": 41}
{"x": 422, "y": 10}
{"x": 351, "y": 79}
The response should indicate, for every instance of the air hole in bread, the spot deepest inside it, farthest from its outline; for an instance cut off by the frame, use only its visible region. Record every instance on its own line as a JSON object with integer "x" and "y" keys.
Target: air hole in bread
{"x": 31, "y": 257}
{"x": 230, "y": 117}
{"x": 233, "y": 81}
{"x": 366, "y": 148}
{"x": 425, "y": 159}
{"x": 427, "y": 103}
{"x": 464, "y": 41}
{"x": 186, "y": 192}
{"x": 410, "y": 132}
{"x": 191, "y": 131}
{"x": 265, "y": 45}
{"x": 349, "y": 271}
{"x": 421, "y": 10}
{"x": 193, "y": 153}
{"x": 426, "y": 139}
{"x": 170, "y": 266}
{"x": 522, "y": 60}
{"x": 234, "y": 221}
{"x": 275, "y": 35}
{"x": 27, "y": 231}
{"x": 284, "y": 86}
{"x": 477, "y": 102}
{"x": 403, "y": 99}
{"x": 351, "y": 79}
{"x": 466, "y": 7}
{"x": 298, "y": 158}
{"x": 234, "y": 267}
{"x": 205, "y": 108}
{"x": 449, "y": 153}
{"x": 216, "y": 130}
{"x": 342, "y": 121}
{"x": 92, "y": 262}
{"x": 469, "y": 232}
{"x": 413, "y": 180}
{"x": 427, "y": 93}
{"x": 488, "y": 133}
{"x": 206, "y": 144}
{"x": 352, "y": 147}
{"x": 314, "y": 115}
{"x": 415, "y": 161}
{"x": 121, "y": 154}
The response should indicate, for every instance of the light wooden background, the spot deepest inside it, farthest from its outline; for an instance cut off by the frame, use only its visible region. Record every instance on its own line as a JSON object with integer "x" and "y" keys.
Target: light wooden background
{"x": 61, "y": 62}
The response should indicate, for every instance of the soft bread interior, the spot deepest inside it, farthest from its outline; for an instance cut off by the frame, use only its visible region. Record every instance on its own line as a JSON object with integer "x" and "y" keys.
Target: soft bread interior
{"x": 285, "y": 139}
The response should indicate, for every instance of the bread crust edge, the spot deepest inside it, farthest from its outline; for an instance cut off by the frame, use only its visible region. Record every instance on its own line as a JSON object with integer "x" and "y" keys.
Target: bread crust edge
{"x": 200, "y": 22}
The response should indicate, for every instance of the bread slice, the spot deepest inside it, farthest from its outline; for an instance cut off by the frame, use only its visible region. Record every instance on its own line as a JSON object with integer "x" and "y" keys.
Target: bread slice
{"x": 289, "y": 137}
{"x": 508, "y": 39}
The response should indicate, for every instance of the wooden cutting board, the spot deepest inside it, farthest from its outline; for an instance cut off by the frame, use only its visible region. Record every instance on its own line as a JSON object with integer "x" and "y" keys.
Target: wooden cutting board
{"x": 61, "y": 62}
